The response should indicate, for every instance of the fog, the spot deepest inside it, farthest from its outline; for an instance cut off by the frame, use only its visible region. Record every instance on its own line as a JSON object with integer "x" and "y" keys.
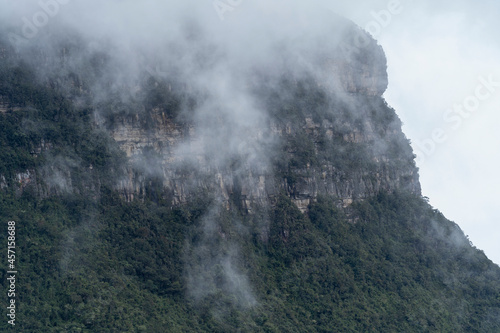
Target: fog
{"x": 214, "y": 48}
{"x": 215, "y": 53}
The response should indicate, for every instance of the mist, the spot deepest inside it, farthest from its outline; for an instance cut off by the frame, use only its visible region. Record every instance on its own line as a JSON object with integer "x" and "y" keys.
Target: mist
{"x": 218, "y": 63}
{"x": 217, "y": 54}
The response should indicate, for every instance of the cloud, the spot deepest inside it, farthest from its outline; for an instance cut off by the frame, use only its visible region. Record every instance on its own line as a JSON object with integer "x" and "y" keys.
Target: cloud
{"x": 214, "y": 266}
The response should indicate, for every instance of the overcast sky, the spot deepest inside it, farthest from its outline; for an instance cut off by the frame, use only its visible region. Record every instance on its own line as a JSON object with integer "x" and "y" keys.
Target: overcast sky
{"x": 438, "y": 51}
{"x": 443, "y": 59}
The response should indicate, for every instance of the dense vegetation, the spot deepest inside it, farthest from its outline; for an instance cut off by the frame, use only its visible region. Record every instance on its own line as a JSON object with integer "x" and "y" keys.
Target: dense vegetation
{"x": 393, "y": 264}
{"x": 90, "y": 262}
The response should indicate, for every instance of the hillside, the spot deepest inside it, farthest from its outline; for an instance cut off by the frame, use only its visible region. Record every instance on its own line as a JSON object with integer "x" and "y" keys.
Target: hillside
{"x": 191, "y": 194}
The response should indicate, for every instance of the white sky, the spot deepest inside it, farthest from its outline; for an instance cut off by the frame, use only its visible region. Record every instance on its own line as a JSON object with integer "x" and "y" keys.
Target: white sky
{"x": 436, "y": 53}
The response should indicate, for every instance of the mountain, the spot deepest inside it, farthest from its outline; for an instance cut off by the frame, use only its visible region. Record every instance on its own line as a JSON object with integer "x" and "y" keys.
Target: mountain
{"x": 192, "y": 187}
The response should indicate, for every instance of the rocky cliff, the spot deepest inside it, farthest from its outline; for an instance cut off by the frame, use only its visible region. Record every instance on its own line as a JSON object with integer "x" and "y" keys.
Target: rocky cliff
{"x": 333, "y": 134}
{"x": 325, "y": 131}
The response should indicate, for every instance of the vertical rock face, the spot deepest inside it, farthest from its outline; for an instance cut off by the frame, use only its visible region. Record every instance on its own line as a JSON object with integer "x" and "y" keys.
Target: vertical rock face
{"x": 318, "y": 125}
{"x": 386, "y": 163}
{"x": 333, "y": 135}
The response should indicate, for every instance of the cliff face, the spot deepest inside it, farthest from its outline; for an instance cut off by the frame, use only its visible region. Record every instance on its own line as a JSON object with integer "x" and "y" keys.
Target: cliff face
{"x": 346, "y": 142}
{"x": 325, "y": 133}
{"x": 309, "y": 181}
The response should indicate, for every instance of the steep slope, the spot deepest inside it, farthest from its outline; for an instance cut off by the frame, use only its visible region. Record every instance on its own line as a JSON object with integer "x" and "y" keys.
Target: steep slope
{"x": 279, "y": 197}
{"x": 325, "y": 132}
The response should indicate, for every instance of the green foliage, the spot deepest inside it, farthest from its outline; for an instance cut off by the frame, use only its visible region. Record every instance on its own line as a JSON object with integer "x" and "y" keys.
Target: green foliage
{"x": 90, "y": 262}
{"x": 320, "y": 128}
{"x": 391, "y": 263}
{"x": 45, "y": 118}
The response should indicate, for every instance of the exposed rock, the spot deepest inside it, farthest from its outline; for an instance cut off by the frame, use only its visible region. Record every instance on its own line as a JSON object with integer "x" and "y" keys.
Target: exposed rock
{"x": 152, "y": 140}
{"x": 258, "y": 186}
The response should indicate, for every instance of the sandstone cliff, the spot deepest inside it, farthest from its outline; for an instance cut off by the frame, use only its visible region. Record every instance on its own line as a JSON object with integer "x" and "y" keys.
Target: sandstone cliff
{"x": 324, "y": 131}
{"x": 345, "y": 142}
